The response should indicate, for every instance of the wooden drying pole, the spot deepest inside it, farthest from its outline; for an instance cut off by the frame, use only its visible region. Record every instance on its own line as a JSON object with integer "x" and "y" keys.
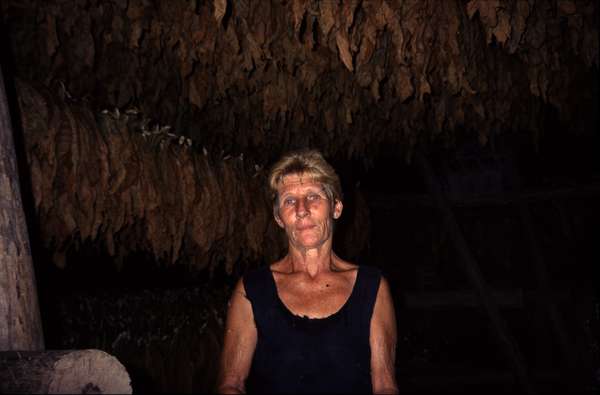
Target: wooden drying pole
{"x": 422, "y": 200}
{"x": 24, "y": 365}
{"x": 547, "y": 298}
{"x": 20, "y": 322}
{"x": 470, "y": 267}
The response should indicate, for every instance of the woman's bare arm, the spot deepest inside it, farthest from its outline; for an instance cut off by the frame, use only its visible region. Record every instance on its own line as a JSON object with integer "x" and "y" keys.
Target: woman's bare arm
{"x": 383, "y": 342}
{"x": 238, "y": 345}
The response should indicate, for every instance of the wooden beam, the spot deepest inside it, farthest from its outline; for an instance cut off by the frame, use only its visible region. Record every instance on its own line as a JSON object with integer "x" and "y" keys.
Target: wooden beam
{"x": 471, "y": 269}
{"x": 446, "y": 300}
{"x": 407, "y": 200}
{"x": 20, "y": 322}
{"x": 546, "y": 297}
{"x": 511, "y": 298}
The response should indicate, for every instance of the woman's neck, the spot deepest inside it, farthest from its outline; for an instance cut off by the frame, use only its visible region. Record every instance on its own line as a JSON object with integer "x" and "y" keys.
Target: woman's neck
{"x": 312, "y": 262}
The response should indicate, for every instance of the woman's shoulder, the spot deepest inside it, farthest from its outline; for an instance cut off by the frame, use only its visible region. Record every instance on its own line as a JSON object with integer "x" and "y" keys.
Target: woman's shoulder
{"x": 342, "y": 266}
{"x": 277, "y": 266}
{"x": 256, "y": 277}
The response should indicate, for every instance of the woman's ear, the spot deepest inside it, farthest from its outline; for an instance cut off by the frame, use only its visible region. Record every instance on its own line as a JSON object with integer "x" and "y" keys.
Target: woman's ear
{"x": 278, "y": 219}
{"x": 337, "y": 209}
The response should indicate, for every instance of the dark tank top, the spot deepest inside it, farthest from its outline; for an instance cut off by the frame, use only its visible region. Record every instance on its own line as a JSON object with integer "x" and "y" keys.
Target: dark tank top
{"x": 302, "y": 355}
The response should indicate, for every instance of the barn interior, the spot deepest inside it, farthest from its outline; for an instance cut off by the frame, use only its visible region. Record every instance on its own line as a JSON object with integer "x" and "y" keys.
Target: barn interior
{"x": 465, "y": 133}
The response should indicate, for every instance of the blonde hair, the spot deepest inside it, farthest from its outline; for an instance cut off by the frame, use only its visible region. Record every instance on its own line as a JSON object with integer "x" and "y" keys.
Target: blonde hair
{"x": 309, "y": 163}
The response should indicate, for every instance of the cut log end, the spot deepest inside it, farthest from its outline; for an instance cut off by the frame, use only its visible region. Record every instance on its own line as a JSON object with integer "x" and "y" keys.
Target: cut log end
{"x": 63, "y": 372}
{"x": 89, "y": 371}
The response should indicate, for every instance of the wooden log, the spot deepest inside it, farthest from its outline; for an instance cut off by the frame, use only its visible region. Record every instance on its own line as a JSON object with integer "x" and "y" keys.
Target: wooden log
{"x": 20, "y": 322}
{"x": 511, "y": 298}
{"x": 507, "y": 298}
{"x": 62, "y": 372}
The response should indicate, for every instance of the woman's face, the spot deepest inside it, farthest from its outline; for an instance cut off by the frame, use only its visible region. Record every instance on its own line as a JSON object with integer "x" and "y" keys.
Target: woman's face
{"x": 305, "y": 212}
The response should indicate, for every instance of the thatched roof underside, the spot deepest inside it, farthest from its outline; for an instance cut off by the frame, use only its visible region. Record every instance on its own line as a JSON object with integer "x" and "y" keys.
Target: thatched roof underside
{"x": 260, "y": 77}
{"x": 142, "y": 110}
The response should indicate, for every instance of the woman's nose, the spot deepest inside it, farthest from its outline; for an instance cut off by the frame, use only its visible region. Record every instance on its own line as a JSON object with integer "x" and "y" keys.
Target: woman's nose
{"x": 301, "y": 208}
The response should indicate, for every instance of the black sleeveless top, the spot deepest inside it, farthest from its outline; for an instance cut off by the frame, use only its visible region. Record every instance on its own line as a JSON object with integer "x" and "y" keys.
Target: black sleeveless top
{"x": 302, "y": 355}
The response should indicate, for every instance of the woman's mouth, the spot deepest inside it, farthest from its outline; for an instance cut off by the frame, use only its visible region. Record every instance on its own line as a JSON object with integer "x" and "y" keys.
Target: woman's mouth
{"x": 305, "y": 226}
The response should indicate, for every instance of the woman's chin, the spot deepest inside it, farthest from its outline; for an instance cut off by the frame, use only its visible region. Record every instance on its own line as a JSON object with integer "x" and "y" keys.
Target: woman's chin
{"x": 308, "y": 238}
{"x": 309, "y": 243}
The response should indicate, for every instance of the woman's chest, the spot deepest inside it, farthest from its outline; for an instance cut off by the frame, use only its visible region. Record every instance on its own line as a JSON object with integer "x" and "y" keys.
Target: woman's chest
{"x": 317, "y": 299}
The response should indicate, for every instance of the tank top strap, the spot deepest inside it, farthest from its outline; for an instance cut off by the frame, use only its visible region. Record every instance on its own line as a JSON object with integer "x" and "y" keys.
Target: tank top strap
{"x": 364, "y": 295}
{"x": 260, "y": 291}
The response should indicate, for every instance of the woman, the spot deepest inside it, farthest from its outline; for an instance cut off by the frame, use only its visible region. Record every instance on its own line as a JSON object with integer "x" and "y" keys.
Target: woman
{"x": 311, "y": 322}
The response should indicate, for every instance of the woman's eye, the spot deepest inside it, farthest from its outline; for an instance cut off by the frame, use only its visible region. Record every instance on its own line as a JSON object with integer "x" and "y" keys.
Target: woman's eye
{"x": 313, "y": 197}
{"x": 289, "y": 202}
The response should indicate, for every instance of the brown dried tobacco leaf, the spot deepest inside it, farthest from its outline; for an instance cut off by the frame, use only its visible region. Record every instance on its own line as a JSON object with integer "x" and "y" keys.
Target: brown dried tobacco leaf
{"x": 52, "y": 42}
{"x": 567, "y": 7}
{"x": 487, "y": 10}
{"x": 494, "y": 17}
{"x": 327, "y": 11}
{"x": 348, "y": 9}
{"x": 503, "y": 29}
{"x": 341, "y": 39}
{"x": 298, "y": 12}
{"x": 519, "y": 17}
{"x": 404, "y": 86}
{"x": 367, "y": 44}
{"x": 198, "y": 88}
{"x": 220, "y": 10}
